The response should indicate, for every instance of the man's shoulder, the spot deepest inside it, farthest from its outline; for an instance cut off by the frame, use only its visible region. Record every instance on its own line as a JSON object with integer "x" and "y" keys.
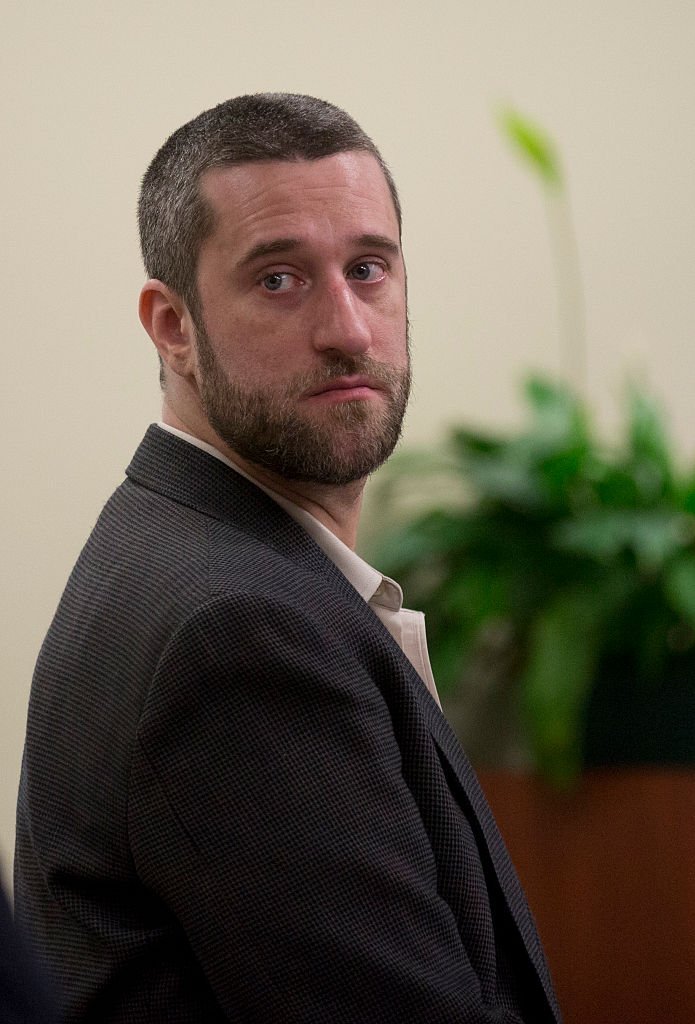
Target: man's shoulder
{"x": 184, "y": 528}
{"x": 183, "y": 536}
{"x": 183, "y": 473}
{"x": 177, "y": 496}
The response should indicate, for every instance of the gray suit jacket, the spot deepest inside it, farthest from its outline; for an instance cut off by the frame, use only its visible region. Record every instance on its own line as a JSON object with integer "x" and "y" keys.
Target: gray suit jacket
{"x": 238, "y": 801}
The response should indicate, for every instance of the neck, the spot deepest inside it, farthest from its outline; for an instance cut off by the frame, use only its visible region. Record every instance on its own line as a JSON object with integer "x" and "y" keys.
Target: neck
{"x": 336, "y": 507}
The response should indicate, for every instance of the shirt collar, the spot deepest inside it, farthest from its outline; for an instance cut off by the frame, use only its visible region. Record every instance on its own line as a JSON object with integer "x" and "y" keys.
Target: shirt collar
{"x": 369, "y": 583}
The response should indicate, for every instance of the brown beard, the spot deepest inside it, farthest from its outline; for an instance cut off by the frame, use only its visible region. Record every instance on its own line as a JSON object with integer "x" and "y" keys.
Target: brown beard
{"x": 343, "y": 443}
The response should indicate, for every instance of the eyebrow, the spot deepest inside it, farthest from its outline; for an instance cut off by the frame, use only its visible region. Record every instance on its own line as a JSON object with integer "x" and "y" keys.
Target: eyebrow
{"x": 379, "y": 242}
{"x": 281, "y": 245}
{"x": 268, "y": 249}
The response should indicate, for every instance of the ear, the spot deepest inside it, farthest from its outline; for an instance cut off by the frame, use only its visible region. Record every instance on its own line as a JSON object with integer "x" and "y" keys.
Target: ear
{"x": 165, "y": 317}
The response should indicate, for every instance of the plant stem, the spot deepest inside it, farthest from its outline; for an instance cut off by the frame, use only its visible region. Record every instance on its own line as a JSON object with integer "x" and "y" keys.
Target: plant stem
{"x": 570, "y": 292}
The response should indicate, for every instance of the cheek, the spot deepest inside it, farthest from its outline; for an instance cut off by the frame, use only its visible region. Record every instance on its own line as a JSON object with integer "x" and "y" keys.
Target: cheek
{"x": 392, "y": 334}
{"x": 260, "y": 358}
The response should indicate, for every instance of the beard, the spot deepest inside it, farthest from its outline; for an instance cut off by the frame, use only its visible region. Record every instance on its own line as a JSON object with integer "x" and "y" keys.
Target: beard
{"x": 337, "y": 444}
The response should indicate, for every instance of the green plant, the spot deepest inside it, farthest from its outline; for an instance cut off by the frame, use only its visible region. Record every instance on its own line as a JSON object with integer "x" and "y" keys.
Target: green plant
{"x": 554, "y": 564}
{"x": 539, "y": 153}
{"x": 561, "y": 554}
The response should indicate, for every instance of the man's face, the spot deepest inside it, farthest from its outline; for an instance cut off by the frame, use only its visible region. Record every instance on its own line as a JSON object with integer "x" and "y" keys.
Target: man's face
{"x": 302, "y": 356}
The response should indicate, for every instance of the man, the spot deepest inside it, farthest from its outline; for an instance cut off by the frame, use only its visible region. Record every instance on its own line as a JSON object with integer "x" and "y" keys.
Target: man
{"x": 240, "y": 799}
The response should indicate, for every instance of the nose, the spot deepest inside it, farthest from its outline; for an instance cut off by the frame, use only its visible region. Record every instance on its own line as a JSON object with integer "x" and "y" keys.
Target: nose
{"x": 341, "y": 320}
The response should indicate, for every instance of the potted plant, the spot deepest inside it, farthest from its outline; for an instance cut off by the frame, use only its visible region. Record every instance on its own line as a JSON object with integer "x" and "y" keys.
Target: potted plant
{"x": 557, "y": 574}
{"x": 558, "y": 582}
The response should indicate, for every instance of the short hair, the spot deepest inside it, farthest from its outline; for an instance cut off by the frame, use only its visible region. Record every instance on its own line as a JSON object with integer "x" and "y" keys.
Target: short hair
{"x": 174, "y": 218}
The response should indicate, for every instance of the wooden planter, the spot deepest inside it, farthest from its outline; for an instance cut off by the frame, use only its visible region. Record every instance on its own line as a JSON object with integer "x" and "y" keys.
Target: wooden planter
{"x": 609, "y": 871}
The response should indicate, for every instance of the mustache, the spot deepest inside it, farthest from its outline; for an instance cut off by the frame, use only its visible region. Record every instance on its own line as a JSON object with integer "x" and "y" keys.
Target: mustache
{"x": 349, "y": 366}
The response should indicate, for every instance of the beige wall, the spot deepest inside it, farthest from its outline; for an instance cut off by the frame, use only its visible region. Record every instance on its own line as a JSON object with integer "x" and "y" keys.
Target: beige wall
{"x": 90, "y": 90}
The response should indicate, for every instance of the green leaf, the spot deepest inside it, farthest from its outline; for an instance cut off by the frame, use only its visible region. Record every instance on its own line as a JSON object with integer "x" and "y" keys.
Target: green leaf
{"x": 686, "y": 494}
{"x": 448, "y": 657}
{"x": 558, "y": 414}
{"x": 679, "y": 585}
{"x": 468, "y": 443}
{"x": 647, "y": 435}
{"x": 419, "y": 542}
{"x": 475, "y": 593}
{"x": 563, "y": 652}
{"x": 507, "y": 480}
{"x": 648, "y": 447}
{"x": 533, "y": 144}
{"x": 614, "y": 487}
{"x": 605, "y": 534}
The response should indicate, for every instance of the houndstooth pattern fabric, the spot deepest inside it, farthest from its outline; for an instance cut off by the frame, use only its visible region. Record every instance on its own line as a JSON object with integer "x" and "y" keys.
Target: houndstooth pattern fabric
{"x": 238, "y": 802}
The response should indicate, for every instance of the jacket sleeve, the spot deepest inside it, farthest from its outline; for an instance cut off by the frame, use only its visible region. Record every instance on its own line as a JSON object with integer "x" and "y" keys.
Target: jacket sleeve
{"x": 269, "y": 813}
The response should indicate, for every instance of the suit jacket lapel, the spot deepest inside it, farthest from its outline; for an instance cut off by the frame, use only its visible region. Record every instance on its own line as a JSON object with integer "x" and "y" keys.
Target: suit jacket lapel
{"x": 472, "y": 799}
{"x": 466, "y": 790}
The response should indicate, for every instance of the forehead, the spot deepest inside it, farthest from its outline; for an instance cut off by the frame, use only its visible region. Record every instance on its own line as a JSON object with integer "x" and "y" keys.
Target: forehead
{"x": 344, "y": 193}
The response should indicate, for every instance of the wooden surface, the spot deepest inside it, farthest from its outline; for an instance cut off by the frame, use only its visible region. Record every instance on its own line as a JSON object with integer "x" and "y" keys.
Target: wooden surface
{"x": 609, "y": 871}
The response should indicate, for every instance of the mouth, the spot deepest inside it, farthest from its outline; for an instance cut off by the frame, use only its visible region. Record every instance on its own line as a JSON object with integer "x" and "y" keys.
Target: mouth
{"x": 344, "y": 389}
{"x": 352, "y": 387}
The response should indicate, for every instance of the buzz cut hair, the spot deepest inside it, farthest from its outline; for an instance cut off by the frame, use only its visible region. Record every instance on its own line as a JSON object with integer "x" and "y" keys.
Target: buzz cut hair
{"x": 173, "y": 215}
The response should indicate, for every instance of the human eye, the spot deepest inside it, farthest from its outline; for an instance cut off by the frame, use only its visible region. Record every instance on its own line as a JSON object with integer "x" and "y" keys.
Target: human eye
{"x": 367, "y": 271}
{"x": 279, "y": 281}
